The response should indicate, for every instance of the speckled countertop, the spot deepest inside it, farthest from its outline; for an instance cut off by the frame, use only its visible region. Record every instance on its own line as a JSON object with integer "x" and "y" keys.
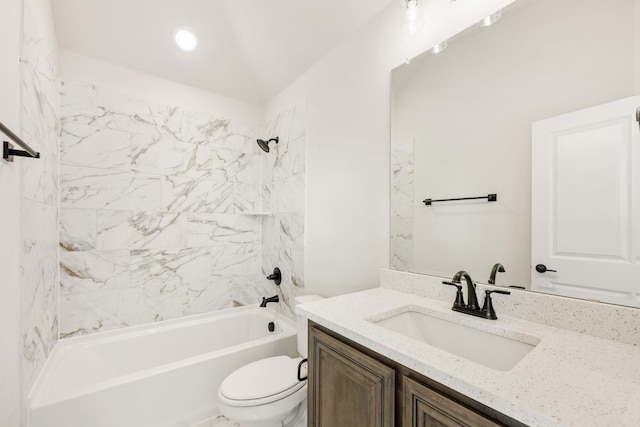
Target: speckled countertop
{"x": 569, "y": 379}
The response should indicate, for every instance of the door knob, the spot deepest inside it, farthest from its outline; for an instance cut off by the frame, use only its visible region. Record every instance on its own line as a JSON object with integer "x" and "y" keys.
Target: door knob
{"x": 541, "y": 268}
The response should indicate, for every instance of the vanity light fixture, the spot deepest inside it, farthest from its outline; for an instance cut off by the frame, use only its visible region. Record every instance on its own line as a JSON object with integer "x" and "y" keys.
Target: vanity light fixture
{"x": 491, "y": 19}
{"x": 440, "y": 47}
{"x": 185, "y": 38}
{"x": 412, "y": 19}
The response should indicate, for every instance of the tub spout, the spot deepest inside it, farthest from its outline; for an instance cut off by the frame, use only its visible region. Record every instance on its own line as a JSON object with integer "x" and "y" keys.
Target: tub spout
{"x": 266, "y": 301}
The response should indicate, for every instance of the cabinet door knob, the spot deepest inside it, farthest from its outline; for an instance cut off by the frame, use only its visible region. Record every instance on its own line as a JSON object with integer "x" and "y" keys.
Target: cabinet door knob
{"x": 541, "y": 268}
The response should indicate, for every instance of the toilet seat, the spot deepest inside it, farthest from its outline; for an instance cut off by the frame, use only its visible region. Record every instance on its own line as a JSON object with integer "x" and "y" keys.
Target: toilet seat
{"x": 261, "y": 382}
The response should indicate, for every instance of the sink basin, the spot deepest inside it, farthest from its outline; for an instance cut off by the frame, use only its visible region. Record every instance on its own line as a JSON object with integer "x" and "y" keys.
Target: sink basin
{"x": 495, "y": 351}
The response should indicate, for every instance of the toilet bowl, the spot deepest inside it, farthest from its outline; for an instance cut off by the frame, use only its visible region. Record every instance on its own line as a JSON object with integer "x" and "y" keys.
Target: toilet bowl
{"x": 270, "y": 392}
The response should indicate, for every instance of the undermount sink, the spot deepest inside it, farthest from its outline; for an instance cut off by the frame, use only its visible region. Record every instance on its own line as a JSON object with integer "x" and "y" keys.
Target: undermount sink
{"x": 495, "y": 351}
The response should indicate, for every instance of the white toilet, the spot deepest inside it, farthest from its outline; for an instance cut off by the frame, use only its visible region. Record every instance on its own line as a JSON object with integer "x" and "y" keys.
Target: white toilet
{"x": 268, "y": 393}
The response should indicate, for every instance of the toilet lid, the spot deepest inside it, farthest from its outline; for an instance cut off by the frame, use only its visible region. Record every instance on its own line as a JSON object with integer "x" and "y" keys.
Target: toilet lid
{"x": 263, "y": 378}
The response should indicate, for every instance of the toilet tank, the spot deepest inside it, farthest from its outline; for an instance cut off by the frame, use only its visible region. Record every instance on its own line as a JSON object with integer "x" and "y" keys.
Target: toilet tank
{"x": 302, "y": 323}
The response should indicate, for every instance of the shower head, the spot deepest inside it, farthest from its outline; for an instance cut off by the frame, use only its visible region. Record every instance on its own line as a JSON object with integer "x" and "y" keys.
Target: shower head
{"x": 265, "y": 144}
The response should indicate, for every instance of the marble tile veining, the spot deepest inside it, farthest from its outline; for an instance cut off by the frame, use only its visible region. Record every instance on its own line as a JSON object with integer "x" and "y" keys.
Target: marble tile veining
{"x": 78, "y": 102}
{"x": 86, "y": 313}
{"x": 171, "y": 269}
{"x": 218, "y": 132}
{"x": 166, "y": 155}
{"x": 239, "y": 259}
{"x": 40, "y": 314}
{"x": 286, "y": 195}
{"x": 180, "y": 194}
{"x": 93, "y": 188}
{"x": 78, "y": 229}
{"x": 235, "y": 166}
{"x": 90, "y": 146}
{"x": 91, "y": 271}
{"x": 124, "y": 112}
{"x": 283, "y": 194}
{"x": 247, "y": 197}
{"x": 211, "y": 229}
{"x": 401, "y": 243}
{"x": 39, "y": 114}
{"x": 198, "y": 297}
{"x": 140, "y": 230}
{"x": 284, "y": 229}
{"x": 157, "y": 210}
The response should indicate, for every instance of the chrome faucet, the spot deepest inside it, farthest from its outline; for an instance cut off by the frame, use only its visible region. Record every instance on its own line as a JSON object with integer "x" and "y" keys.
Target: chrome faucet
{"x": 497, "y": 268}
{"x": 487, "y": 311}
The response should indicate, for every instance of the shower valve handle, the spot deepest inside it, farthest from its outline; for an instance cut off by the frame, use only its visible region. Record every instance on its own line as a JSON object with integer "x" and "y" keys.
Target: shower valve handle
{"x": 276, "y": 276}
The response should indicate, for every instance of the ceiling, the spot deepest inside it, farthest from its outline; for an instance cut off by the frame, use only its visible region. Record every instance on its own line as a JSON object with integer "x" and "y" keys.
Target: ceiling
{"x": 248, "y": 49}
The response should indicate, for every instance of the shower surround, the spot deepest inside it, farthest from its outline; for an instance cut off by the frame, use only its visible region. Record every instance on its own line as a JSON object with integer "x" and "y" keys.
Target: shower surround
{"x": 39, "y": 201}
{"x": 283, "y": 178}
{"x": 158, "y": 210}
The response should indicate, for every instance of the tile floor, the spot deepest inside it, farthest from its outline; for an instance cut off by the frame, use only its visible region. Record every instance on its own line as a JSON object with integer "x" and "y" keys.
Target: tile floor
{"x": 217, "y": 421}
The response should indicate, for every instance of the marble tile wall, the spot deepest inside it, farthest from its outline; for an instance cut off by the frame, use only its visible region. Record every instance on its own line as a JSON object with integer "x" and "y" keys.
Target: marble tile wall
{"x": 156, "y": 206}
{"x": 39, "y": 202}
{"x": 283, "y": 177}
{"x": 402, "y": 205}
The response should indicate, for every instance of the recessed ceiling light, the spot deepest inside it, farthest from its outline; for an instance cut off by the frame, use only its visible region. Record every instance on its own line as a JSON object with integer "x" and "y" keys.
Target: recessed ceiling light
{"x": 185, "y": 38}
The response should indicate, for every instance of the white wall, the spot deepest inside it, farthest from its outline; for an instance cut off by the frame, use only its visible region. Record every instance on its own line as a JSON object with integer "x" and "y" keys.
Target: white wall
{"x": 73, "y": 66}
{"x": 10, "y": 182}
{"x": 347, "y": 188}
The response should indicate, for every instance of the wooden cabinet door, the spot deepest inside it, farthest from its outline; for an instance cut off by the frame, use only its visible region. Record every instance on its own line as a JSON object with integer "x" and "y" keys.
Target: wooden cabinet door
{"x": 346, "y": 387}
{"x": 424, "y": 407}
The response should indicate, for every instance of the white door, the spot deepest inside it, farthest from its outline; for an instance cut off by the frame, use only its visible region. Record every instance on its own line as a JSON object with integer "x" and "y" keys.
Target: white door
{"x": 586, "y": 204}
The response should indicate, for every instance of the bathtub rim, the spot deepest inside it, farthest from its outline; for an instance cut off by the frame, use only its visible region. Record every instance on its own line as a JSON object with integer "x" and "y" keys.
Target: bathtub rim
{"x": 169, "y": 324}
{"x": 68, "y": 344}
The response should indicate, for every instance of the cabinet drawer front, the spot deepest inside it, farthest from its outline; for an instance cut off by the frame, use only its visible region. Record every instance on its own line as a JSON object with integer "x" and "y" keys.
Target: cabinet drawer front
{"x": 424, "y": 407}
{"x": 347, "y": 387}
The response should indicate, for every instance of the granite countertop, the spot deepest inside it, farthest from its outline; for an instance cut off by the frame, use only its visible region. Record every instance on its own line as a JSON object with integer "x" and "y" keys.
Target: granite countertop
{"x": 569, "y": 379}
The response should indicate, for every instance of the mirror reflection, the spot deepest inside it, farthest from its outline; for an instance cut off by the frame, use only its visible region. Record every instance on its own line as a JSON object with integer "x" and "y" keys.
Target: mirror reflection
{"x": 462, "y": 124}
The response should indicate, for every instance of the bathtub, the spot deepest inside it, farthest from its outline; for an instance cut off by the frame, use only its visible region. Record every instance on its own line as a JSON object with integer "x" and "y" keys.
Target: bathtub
{"x": 164, "y": 374}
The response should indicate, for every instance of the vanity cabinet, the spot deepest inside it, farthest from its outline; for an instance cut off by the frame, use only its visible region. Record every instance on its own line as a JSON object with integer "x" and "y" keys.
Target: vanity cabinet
{"x": 424, "y": 407}
{"x": 347, "y": 387}
{"x": 352, "y": 386}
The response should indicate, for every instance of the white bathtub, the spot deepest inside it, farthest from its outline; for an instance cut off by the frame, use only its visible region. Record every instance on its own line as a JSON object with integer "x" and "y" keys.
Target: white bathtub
{"x": 164, "y": 374}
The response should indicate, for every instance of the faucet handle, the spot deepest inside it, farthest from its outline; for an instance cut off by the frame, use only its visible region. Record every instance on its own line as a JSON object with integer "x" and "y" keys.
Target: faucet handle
{"x": 487, "y": 307}
{"x": 276, "y": 276}
{"x": 495, "y": 291}
{"x": 459, "y": 302}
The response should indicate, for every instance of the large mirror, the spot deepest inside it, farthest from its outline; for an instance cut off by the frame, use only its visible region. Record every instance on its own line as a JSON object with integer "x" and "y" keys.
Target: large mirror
{"x": 463, "y": 124}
